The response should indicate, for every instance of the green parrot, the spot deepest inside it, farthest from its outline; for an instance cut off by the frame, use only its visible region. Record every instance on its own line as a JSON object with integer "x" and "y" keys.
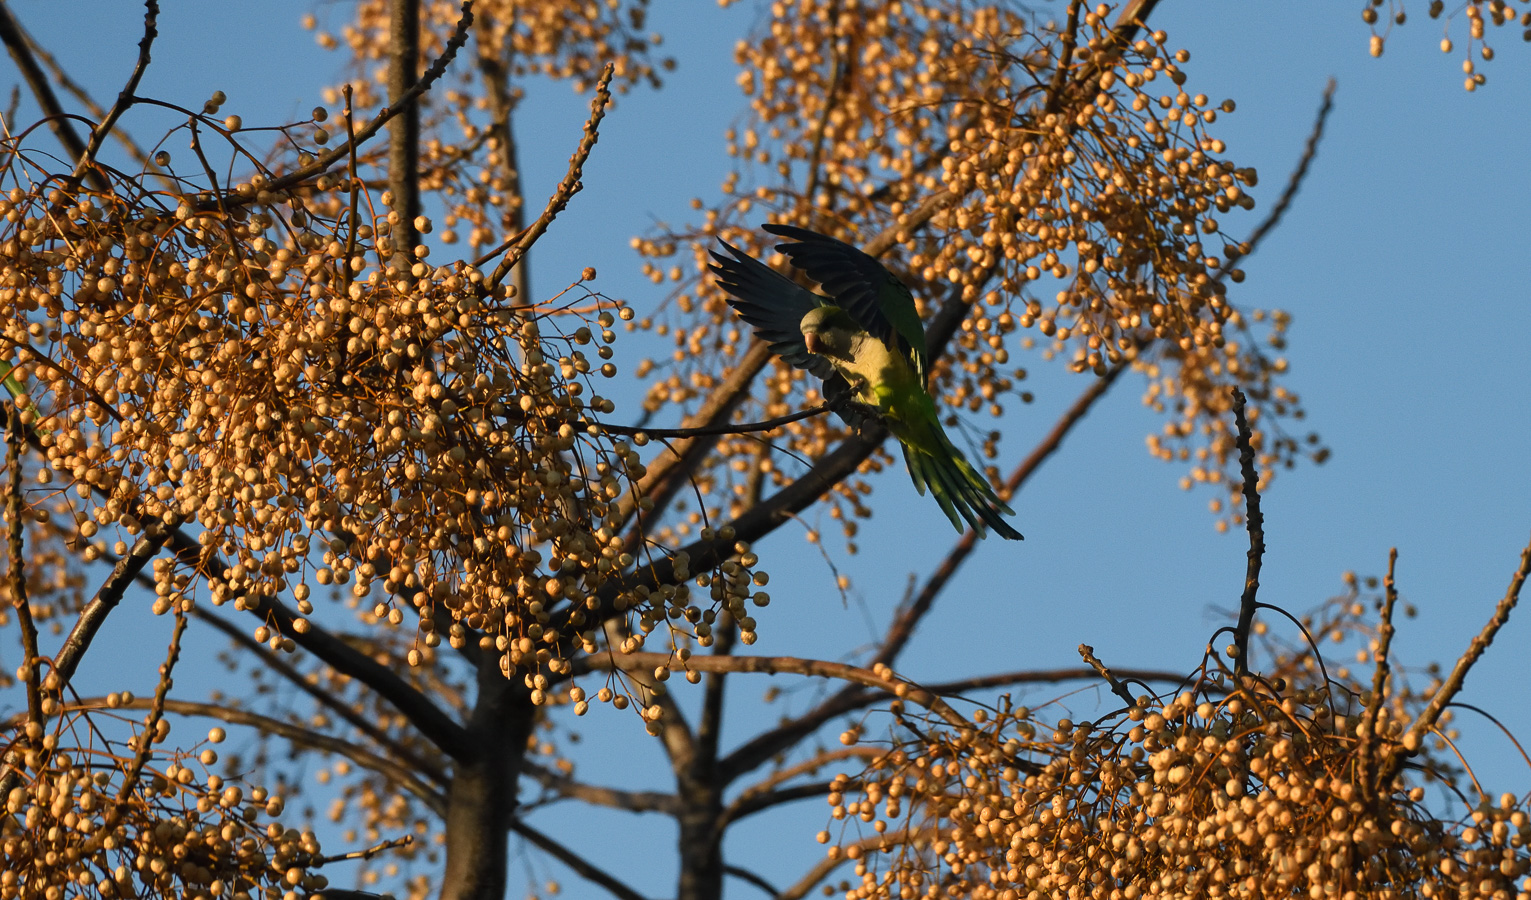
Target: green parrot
{"x": 866, "y": 341}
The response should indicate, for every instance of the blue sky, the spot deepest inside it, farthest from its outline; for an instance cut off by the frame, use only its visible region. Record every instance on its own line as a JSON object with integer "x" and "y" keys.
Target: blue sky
{"x": 1398, "y": 261}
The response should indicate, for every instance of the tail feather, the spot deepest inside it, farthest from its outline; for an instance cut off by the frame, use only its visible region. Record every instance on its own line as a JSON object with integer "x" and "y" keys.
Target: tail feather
{"x": 962, "y": 492}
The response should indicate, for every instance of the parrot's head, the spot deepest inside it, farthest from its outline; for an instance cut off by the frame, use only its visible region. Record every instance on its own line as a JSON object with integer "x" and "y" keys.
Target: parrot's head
{"x": 822, "y": 333}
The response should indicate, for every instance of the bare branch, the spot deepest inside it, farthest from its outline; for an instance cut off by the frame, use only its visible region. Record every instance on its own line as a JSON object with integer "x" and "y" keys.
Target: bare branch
{"x": 156, "y": 534}
{"x": 579, "y": 864}
{"x": 15, "y": 550}
{"x": 567, "y": 188}
{"x": 1255, "y": 521}
{"x": 404, "y": 130}
{"x": 821, "y": 870}
{"x": 1310, "y": 150}
{"x": 433, "y": 723}
{"x": 632, "y": 801}
{"x": 1087, "y": 653}
{"x": 401, "y": 773}
{"x": 20, "y": 45}
{"x": 1480, "y": 643}
{"x": 144, "y": 743}
{"x": 125, "y": 99}
{"x": 368, "y": 853}
{"x": 709, "y": 430}
{"x": 275, "y": 663}
{"x": 777, "y": 665}
{"x": 1380, "y": 675}
{"x": 747, "y": 876}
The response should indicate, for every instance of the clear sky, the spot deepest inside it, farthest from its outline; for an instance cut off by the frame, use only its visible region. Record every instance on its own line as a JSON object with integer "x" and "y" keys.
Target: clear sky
{"x": 1409, "y": 349}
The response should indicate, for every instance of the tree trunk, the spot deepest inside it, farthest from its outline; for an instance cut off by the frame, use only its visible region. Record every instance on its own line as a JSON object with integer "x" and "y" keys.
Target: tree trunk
{"x": 482, "y": 798}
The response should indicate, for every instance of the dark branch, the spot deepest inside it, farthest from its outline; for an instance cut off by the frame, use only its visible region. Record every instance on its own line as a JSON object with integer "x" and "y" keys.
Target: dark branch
{"x": 18, "y": 42}
{"x": 1255, "y": 520}
{"x": 709, "y": 430}
{"x": 579, "y": 864}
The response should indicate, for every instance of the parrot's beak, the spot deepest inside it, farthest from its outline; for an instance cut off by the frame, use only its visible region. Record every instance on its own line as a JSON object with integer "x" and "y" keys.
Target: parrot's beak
{"x": 813, "y": 342}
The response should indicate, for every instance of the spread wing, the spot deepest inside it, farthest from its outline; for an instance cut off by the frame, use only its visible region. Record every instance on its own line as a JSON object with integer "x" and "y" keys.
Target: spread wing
{"x": 772, "y": 304}
{"x": 873, "y": 296}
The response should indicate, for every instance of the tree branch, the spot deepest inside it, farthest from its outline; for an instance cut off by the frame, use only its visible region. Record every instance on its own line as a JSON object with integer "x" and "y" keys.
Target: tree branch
{"x": 125, "y": 99}
{"x": 1255, "y": 521}
{"x": 579, "y": 864}
{"x": 19, "y": 44}
{"x": 280, "y": 666}
{"x": 777, "y": 665}
{"x": 15, "y": 551}
{"x": 903, "y": 627}
{"x": 1480, "y": 643}
{"x": 404, "y": 130}
{"x": 567, "y": 188}
{"x": 595, "y": 795}
{"x": 402, "y": 773}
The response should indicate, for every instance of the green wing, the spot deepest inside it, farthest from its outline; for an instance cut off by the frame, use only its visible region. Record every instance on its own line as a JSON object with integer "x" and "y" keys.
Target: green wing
{"x": 860, "y": 285}
{"x": 11, "y": 384}
{"x": 774, "y": 305}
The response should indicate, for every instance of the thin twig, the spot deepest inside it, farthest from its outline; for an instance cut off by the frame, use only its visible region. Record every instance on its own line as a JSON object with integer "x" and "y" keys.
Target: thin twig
{"x": 125, "y": 99}
{"x": 1310, "y": 150}
{"x": 707, "y": 430}
{"x": 144, "y": 743}
{"x": 1255, "y": 521}
{"x": 368, "y": 853}
{"x": 1380, "y": 675}
{"x": 1480, "y": 643}
{"x": 820, "y": 870}
{"x": 777, "y": 665}
{"x": 1087, "y": 653}
{"x": 401, "y": 773}
{"x": 566, "y": 188}
{"x": 595, "y": 795}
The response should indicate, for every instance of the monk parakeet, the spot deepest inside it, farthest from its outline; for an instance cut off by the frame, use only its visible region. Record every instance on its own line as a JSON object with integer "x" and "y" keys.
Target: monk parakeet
{"x": 867, "y": 342}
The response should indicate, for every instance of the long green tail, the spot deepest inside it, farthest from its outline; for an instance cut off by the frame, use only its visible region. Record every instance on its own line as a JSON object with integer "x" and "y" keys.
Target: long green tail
{"x": 963, "y": 493}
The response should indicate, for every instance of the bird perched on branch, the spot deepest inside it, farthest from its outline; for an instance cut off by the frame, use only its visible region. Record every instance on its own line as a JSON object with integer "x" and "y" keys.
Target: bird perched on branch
{"x": 866, "y": 341}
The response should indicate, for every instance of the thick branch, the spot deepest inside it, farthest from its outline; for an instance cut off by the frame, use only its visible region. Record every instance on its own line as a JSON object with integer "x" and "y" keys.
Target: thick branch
{"x": 156, "y": 534}
{"x": 433, "y": 723}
